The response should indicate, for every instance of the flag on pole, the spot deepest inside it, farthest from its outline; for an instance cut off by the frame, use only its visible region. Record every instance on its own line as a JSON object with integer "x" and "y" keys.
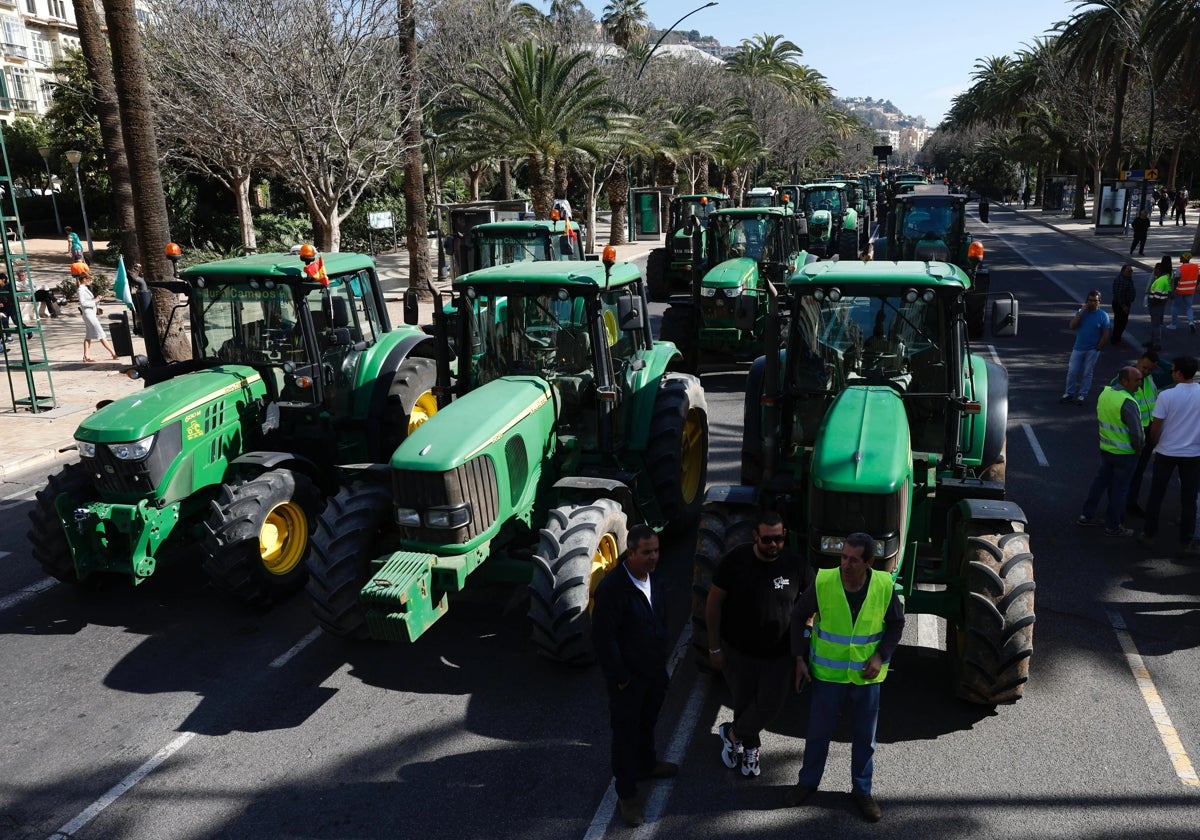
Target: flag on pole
{"x": 316, "y": 270}
{"x": 121, "y": 284}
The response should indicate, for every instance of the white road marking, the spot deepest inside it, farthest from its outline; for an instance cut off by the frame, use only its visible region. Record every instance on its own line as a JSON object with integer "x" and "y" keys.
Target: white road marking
{"x": 1158, "y": 712}
{"x": 122, "y": 787}
{"x": 282, "y": 659}
{"x": 928, "y": 627}
{"x": 25, "y": 594}
{"x": 680, "y": 739}
{"x": 25, "y": 494}
{"x": 1037, "y": 447}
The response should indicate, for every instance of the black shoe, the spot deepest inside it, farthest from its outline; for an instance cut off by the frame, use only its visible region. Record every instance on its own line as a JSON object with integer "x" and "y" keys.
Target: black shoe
{"x": 631, "y": 811}
{"x": 798, "y": 795}
{"x": 661, "y": 770}
{"x": 1135, "y": 510}
{"x": 869, "y": 807}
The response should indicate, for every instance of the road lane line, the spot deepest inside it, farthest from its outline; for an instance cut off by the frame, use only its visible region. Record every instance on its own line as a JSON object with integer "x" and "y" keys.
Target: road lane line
{"x": 27, "y": 490}
{"x": 122, "y": 787}
{"x": 995, "y": 356}
{"x": 680, "y": 740}
{"x": 282, "y": 659}
{"x": 1037, "y": 447}
{"x": 1158, "y": 712}
{"x": 26, "y": 593}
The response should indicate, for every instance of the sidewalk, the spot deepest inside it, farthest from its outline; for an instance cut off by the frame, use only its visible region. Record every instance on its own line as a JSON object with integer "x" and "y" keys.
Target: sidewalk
{"x": 30, "y": 440}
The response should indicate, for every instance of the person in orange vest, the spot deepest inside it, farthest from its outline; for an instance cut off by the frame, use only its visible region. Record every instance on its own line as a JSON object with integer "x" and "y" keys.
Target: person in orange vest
{"x": 1185, "y": 289}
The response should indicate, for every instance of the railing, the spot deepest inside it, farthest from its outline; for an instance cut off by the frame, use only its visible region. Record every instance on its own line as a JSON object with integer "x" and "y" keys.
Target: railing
{"x": 16, "y": 50}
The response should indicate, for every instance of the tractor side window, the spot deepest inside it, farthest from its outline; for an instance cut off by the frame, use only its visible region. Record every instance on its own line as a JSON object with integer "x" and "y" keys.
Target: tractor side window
{"x": 627, "y": 342}
{"x": 363, "y": 306}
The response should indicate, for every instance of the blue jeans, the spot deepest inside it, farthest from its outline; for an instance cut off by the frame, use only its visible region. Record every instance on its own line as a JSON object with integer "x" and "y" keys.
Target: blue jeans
{"x": 827, "y": 700}
{"x": 1079, "y": 371}
{"x": 1113, "y": 477}
{"x": 1183, "y": 306}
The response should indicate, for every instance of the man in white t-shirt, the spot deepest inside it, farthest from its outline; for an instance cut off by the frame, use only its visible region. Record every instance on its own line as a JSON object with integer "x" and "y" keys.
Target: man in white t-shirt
{"x": 1175, "y": 430}
{"x": 563, "y": 207}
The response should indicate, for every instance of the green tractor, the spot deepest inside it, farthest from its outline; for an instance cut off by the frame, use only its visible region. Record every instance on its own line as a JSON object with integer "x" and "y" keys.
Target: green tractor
{"x": 831, "y": 221}
{"x": 234, "y": 451}
{"x": 727, "y": 309}
{"x": 565, "y": 428}
{"x": 878, "y": 417}
{"x": 931, "y": 224}
{"x": 687, "y": 246}
{"x": 525, "y": 240}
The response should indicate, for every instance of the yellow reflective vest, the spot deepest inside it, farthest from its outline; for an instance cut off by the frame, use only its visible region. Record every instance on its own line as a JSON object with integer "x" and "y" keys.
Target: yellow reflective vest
{"x": 841, "y": 647}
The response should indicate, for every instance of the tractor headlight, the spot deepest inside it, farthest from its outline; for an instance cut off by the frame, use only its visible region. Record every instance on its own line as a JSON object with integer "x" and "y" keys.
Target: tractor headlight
{"x": 734, "y": 291}
{"x": 408, "y": 518}
{"x": 448, "y": 517}
{"x": 708, "y": 291}
{"x": 135, "y": 451}
{"x": 86, "y": 450}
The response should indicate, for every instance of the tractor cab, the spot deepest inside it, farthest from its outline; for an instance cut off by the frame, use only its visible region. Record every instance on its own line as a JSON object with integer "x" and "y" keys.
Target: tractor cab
{"x": 930, "y": 227}
{"x": 500, "y": 243}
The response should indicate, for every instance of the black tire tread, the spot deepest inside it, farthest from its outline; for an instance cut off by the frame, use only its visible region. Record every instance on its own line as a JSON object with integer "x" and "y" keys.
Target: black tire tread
{"x": 46, "y": 536}
{"x": 722, "y": 528}
{"x": 679, "y": 394}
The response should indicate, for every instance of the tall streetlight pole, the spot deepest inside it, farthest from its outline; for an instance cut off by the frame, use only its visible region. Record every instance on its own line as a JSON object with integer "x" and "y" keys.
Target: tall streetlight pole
{"x": 73, "y": 157}
{"x": 44, "y": 151}
{"x": 670, "y": 29}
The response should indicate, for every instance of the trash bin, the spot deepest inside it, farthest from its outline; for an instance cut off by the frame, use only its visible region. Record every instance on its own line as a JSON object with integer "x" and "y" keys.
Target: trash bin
{"x": 122, "y": 339}
{"x": 983, "y": 209}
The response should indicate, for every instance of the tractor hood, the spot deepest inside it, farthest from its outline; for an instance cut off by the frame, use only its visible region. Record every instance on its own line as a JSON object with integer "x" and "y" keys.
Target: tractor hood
{"x": 732, "y": 274}
{"x": 182, "y": 399}
{"x": 479, "y": 421}
{"x": 863, "y": 444}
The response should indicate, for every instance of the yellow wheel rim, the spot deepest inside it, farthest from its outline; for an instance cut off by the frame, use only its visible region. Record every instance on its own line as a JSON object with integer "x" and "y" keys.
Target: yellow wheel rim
{"x": 604, "y": 560}
{"x": 691, "y": 456}
{"x": 425, "y": 407}
{"x": 283, "y": 538}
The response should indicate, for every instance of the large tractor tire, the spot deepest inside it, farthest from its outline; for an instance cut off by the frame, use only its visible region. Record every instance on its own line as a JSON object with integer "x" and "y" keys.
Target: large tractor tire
{"x": 658, "y": 284}
{"x": 257, "y": 536}
{"x": 848, "y": 245}
{"x": 752, "y": 436}
{"x": 340, "y": 554}
{"x": 46, "y": 535}
{"x": 410, "y": 403}
{"x": 677, "y": 452}
{"x": 722, "y": 529}
{"x": 990, "y": 651}
{"x": 678, "y": 327}
{"x": 578, "y": 547}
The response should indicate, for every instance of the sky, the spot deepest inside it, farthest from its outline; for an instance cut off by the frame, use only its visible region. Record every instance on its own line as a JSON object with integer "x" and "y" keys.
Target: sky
{"x": 919, "y": 56}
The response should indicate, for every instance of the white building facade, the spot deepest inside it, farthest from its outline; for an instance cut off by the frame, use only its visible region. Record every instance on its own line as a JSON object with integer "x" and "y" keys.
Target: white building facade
{"x": 35, "y": 34}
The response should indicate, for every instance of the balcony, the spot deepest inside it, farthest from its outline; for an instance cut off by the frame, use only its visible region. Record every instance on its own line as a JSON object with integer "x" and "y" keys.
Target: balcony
{"x": 28, "y": 105}
{"x": 16, "y": 50}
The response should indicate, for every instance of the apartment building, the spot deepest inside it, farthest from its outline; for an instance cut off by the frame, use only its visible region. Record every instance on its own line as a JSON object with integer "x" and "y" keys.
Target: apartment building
{"x": 35, "y": 34}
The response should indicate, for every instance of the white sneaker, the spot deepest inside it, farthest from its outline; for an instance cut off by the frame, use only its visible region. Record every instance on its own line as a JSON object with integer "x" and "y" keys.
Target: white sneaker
{"x": 731, "y": 751}
{"x": 750, "y": 761}
{"x": 1171, "y": 327}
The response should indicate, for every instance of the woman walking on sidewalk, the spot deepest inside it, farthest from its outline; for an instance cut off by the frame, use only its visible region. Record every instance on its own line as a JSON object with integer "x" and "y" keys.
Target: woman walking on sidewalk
{"x": 93, "y": 329}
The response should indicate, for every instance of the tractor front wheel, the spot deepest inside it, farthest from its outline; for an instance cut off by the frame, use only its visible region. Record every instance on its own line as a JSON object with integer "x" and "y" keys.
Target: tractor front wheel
{"x": 256, "y": 536}
{"x": 50, "y": 547}
{"x": 578, "y": 547}
{"x": 722, "y": 529}
{"x": 848, "y": 245}
{"x": 410, "y": 403}
{"x": 677, "y": 452}
{"x": 991, "y": 647}
{"x": 340, "y": 554}
{"x": 658, "y": 284}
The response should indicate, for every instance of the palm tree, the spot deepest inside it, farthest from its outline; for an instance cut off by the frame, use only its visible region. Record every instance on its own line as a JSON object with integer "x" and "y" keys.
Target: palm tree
{"x": 541, "y": 105}
{"x": 625, "y": 21}
{"x": 1169, "y": 33}
{"x": 776, "y": 61}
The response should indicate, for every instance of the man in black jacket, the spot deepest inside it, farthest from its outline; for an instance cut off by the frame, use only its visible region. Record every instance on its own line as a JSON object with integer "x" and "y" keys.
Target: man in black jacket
{"x": 629, "y": 631}
{"x": 1141, "y": 229}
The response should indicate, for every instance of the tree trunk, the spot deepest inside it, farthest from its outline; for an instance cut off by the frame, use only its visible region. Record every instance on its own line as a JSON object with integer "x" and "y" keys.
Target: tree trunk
{"x": 1080, "y": 210}
{"x": 95, "y": 54}
{"x": 664, "y": 176}
{"x": 1173, "y": 166}
{"x": 141, "y": 148}
{"x": 617, "y": 190}
{"x": 1114, "y": 144}
{"x": 702, "y": 173}
{"x": 416, "y": 215}
{"x": 506, "y": 192}
{"x": 241, "y": 192}
{"x": 541, "y": 185}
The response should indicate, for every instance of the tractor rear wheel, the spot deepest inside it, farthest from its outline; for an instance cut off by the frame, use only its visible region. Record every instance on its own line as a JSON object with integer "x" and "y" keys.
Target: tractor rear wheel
{"x": 257, "y": 536}
{"x": 722, "y": 528}
{"x": 50, "y": 547}
{"x": 578, "y": 547}
{"x": 410, "y": 403}
{"x": 340, "y": 554}
{"x": 658, "y": 284}
{"x": 990, "y": 649}
{"x": 677, "y": 452}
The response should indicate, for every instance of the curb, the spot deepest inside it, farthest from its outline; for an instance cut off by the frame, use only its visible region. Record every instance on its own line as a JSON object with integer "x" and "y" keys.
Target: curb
{"x": 36, "y": 459}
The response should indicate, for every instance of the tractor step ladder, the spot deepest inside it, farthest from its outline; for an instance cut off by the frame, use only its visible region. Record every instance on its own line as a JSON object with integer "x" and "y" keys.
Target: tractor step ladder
{"x": 24, "y": 344}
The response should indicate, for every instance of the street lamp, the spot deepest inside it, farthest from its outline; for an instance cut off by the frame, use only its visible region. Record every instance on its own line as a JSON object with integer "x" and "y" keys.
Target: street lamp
{"x": 670, "y": 29}
{"x": 432, "y": 137}
{"x": 73, "y": 157}
{"x": 44, "y": 151}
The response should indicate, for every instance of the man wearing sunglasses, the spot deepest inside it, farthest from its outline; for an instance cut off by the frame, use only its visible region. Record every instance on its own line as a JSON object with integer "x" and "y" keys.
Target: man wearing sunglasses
{"x": 748, "y": 613}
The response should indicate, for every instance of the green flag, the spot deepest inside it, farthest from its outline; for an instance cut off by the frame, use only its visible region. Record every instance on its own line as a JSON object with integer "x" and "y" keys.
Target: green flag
{"x": 121, "y": 284}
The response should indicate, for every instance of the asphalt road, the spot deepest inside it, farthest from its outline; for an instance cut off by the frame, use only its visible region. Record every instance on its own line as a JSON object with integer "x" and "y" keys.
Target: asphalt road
{"x": 187, "y": 716}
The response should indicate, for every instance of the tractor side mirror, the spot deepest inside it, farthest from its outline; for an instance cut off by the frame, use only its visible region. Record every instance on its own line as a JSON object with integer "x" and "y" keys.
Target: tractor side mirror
{"x": 1004, "y": 317}
{"x": 565, "y": 247}
{"x": 630, "y": 316}
{"x": 746, "y": 313}
{"x": 339, "y": 337}
{"x": 411, "y": 313}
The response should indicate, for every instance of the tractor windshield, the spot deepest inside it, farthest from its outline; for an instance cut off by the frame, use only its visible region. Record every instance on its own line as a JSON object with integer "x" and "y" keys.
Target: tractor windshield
{"x": 245, "y": 325}
{"x": 538, "y": 245}
{"x": 546, "y": 335}
{"x": 748, "y": 236}
{"x": 824, "y": 198}
{"x": 932, "y": 219}
{"x": 684, "y": 209}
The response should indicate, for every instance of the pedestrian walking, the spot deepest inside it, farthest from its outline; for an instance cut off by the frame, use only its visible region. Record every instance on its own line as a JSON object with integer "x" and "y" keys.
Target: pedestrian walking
{"x": 1164, "y": 204}
{"x": 1026, "y": 196}
{"x": 1146, "y": 396}
{"x": 629, "y": 631}
{"x": 93, "y": 329}
{"x": 1180, "y": 207}
{"x": 1175, "y": 430}
{"x": 1158, "y": 295}
{"x": 856, "y": 623}
{"x": 748, "y": 613}
{"x": 74, "y": 245}
{"x": 1141, "y": 228}
{"x": 1121, "y": 441}
{"x": 1184, "y": 287}
{"x": 1124, "y": 294}
{"x": 1093, "y": 326}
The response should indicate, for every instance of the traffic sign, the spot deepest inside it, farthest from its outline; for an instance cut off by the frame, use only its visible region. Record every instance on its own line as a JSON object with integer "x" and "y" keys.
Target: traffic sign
{"x": 1139, "y": 175}
{"x": 1151, "y": 174}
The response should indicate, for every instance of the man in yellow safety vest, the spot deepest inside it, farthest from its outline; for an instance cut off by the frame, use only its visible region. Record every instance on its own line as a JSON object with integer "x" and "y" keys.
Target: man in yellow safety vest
{"x": 1121, "y": 441}
{"x": 857, "y": 620}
